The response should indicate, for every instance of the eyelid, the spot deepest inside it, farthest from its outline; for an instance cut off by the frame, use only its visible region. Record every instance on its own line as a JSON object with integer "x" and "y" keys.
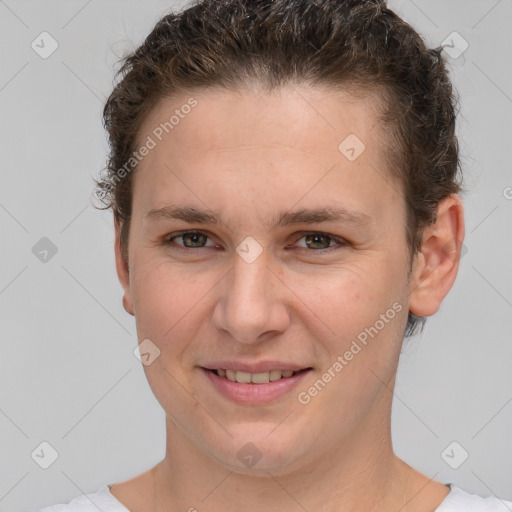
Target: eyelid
{"x": 341, "y": 242}
{"x": 168, "y": 238}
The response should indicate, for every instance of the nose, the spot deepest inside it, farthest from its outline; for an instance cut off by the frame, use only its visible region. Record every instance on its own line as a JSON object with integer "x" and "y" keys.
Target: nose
{"x": 252, "y": 302}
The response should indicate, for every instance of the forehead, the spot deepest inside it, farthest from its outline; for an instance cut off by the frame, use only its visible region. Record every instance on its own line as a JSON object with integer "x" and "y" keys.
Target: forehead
{"x": 287, "y": 144}
{"x": 300, "y": 118}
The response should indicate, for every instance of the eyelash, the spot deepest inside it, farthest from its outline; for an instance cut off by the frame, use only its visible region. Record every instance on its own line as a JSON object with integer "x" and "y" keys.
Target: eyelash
{"x": 340, "y": 241}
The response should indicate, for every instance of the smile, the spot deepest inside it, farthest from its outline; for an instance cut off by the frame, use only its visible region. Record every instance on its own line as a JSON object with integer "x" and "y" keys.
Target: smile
{"x": 254, "y": 378}
{"x": 254, "y": 388}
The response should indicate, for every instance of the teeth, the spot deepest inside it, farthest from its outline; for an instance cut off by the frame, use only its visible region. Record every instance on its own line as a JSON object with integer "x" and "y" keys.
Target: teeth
{"x": 274, "y": 375}
{"x": 255, "y": 378}
{"x": 260, "y": 378}
{"x": 243, "y": 377}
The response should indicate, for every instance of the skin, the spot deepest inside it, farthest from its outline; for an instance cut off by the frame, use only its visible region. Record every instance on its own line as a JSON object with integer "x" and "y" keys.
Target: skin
{"x": 250, "y": 155}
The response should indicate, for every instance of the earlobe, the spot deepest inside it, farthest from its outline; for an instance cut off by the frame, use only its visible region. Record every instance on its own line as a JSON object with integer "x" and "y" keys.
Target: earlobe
{"x": 127, "y": 307}
{"x": 437, "y": 264}
{"x": 122, "y": 268}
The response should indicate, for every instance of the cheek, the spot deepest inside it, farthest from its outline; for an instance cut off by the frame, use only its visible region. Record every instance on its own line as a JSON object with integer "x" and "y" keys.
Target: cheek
{"x": 169, "y": 307}
{"x": 166, "y": 302}
{"x": 347, "y": 299}
{"x": 361, "y": 312}
{"x": 363, "y": 340}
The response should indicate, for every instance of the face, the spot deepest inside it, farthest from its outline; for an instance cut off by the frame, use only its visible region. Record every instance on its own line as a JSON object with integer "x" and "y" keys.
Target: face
{"x": 259, "y": 243}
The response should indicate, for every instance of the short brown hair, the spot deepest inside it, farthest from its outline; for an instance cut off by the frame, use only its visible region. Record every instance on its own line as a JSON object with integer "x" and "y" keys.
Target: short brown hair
{"x": 356, "y": 45}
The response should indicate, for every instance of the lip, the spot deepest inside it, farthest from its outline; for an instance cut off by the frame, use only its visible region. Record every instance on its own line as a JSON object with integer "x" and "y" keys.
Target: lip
{"x": 262, "y": 366}
{"x": 254, "y": 394}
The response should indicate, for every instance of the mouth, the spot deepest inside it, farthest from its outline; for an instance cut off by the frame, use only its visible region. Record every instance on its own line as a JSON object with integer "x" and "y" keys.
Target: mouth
{"x": 258, "y": 388}
{"x": 255, "y": 378}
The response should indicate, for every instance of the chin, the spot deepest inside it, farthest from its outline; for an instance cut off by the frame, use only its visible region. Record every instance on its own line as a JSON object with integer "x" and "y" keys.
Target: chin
{"x": 260, "y": 453}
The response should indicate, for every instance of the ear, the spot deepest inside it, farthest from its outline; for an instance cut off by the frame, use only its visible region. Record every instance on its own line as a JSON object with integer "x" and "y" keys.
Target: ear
{"x": 122, "y": 268}
{"x": 437, "y": 263}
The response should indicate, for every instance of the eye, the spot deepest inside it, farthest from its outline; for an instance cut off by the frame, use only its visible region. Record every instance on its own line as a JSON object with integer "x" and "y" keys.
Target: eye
{"x": 191, "y": 239}
{"x": 321, "y": 242}
{"x": 314, "y": 241}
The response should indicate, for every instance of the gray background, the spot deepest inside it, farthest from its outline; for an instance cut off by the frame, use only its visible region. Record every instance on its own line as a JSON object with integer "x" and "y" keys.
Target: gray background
{"x": 68, "y": 375}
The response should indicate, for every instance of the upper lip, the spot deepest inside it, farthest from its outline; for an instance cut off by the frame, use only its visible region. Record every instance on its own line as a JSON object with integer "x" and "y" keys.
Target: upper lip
{"x": 259, "y": 367}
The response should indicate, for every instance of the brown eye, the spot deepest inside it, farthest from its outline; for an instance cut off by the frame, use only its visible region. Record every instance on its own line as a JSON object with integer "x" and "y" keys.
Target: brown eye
{"x": 190, "y": 239}
{"x": 319, "y": 242}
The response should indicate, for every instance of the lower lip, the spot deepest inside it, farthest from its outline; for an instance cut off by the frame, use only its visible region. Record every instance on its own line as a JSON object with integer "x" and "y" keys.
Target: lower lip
{"x": 254, "y": 393}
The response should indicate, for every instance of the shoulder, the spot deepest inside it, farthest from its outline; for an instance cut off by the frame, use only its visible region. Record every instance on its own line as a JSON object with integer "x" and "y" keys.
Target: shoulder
{"x": 101, "y": 500}
{"x": 459, "y": 500}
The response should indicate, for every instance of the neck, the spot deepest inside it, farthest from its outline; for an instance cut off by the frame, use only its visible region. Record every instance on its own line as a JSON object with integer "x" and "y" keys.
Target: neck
{"x": 362, "y": 473}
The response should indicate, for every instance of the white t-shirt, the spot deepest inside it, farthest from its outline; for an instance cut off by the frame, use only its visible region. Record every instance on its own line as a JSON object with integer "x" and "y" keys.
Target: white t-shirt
{"x": 456, "y": 501}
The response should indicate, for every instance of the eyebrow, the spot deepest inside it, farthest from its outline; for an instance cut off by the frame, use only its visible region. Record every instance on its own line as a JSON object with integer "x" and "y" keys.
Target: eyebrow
{"x": 193, "y": 215}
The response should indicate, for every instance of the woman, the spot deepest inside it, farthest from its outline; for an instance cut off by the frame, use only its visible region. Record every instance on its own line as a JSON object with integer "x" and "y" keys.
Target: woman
{"x": 284, "y": 178}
